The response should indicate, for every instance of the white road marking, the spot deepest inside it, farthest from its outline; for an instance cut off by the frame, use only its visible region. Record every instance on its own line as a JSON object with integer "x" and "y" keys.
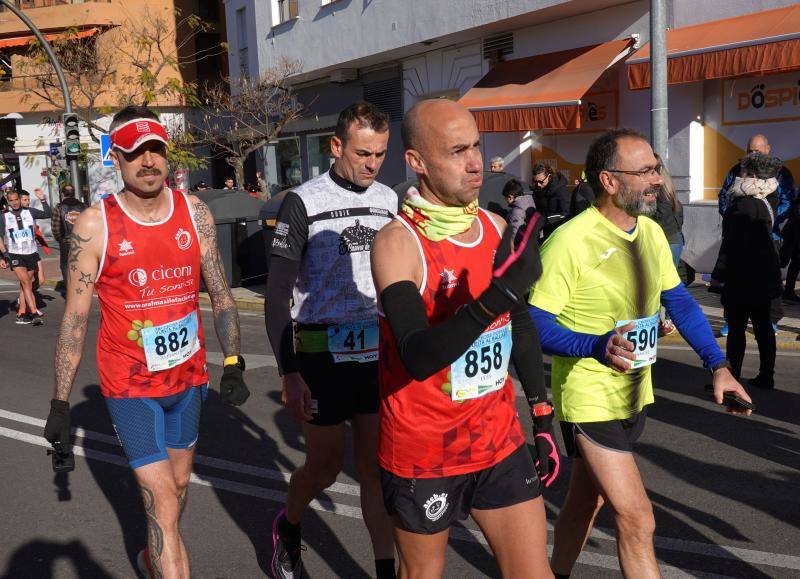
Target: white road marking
{"x": 587, "y": 558}
{"x": 459, "y": 534}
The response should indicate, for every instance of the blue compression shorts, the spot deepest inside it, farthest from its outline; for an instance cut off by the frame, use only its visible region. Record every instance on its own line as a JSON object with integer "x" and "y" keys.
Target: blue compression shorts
{"x": 146, "y": 427}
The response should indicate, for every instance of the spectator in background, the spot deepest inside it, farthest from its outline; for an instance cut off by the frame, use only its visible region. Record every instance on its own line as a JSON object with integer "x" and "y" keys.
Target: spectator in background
{"x": 3, "y": 203}
{"x": 200, "y": 186}
{"x": 790, "y": 252}
{"x": 582, "y": 196}
{"x": 521, "y": 207}
{"x": 229, "y": 184}
{"x": 496, "y": 164}
{"x": 759, "y": 144}
{"x": 551, "y": 196}
{"x": 748, "y": 265}
{"x": 263, "y": 186}
{"x": 669, "y": 215}
{"x": 63, "y": 220}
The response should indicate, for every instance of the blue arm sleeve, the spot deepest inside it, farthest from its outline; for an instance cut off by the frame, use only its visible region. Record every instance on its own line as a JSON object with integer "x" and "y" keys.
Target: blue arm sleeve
{"x": 723, "y": 193}
{"x": 692, "y": 324}
{"x": 786, "y": 196}
{"x": 558, "y": 340}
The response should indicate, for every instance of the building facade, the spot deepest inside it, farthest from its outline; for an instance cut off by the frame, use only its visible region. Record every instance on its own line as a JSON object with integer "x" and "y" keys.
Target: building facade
{"x": 30, "y": 126}
{"x": 396, "y": 53}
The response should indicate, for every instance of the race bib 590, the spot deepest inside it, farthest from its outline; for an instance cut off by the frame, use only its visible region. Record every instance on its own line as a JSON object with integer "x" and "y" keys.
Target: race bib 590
{"x": 644, "y": 337}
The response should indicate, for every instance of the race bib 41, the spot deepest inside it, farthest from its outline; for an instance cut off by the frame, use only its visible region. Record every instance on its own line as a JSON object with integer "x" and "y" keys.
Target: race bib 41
{"x": 354, "y": 341}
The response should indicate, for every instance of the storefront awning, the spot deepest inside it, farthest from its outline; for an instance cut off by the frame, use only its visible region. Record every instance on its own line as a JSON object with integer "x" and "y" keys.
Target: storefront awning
{"x": 23, "y": 40}
{"x": 753, "y": 44}
{"x": 540, "y": 92}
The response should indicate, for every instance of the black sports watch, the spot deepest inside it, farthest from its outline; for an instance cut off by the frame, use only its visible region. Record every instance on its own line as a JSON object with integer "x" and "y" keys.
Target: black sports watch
{"x": 720, "y": 366}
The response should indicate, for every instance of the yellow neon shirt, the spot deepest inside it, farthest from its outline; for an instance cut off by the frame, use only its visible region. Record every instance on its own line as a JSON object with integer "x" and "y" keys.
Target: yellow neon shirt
{"x": 596, "y": 275}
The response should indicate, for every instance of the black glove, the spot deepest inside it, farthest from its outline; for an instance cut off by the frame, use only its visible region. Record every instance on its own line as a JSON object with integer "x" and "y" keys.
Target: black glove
{"x": 514, "y": 270}
{"x": 548, "y": 461}
{"x": 232, "y": 388}
{"x": 56, "y": 430}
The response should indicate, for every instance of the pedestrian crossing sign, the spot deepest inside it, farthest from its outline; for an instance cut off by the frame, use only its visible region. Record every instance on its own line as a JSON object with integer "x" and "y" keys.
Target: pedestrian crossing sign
{"x": 105, "y": 149}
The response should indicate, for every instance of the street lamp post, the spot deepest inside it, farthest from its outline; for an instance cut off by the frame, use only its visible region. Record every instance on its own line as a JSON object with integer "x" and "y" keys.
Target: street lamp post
{"x": 659, "y": 111}
{"x": 73, "y": 163}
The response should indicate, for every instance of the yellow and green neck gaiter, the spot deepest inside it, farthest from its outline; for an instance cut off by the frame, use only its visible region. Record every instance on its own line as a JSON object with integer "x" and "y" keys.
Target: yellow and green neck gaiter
{"x": 437, "y": 222}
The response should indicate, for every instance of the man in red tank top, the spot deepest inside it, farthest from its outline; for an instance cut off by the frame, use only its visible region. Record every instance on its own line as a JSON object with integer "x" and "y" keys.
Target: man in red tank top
{"x": 144, "y": 250}
{"x": 451, "y": 291}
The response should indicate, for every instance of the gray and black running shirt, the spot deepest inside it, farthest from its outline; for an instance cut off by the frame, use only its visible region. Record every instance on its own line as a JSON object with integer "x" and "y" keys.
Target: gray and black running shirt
{"x": 328, "y": 225}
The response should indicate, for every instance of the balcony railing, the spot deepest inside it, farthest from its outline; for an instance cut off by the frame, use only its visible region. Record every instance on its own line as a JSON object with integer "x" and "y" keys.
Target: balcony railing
{"x": 28, "y": 4}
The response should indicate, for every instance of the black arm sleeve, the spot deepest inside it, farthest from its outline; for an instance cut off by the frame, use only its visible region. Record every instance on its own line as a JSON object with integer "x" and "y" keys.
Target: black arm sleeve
{"x": 44, "y": 213}
{"x": 280, "y": 282}
{"x": 291, "y": 229}
{"x": 526, "y": 353}
{"x": 423, "y": 349}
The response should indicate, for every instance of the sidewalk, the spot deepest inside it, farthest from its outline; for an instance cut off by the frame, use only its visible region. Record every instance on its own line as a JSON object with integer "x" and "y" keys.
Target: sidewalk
{"x": 252, "y": 299}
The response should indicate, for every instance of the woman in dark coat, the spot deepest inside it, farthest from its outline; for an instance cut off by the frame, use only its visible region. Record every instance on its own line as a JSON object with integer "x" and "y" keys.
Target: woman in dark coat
{"x": 748, "y": 264}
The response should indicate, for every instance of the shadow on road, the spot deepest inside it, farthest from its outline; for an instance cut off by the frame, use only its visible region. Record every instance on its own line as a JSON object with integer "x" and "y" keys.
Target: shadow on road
{"x": 227, "y": 432}
{"x": 749, "y": 488}
{"x": 118, "y": 485}
{"x": 37, "y": 559}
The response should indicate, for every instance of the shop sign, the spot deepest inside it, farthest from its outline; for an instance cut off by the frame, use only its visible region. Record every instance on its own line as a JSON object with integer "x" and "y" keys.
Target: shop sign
{"x": 761, "y": 99}
{"x": 598, "y": 111}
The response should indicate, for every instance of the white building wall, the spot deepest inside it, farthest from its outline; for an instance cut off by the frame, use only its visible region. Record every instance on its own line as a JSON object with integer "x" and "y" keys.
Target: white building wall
{"x": 374, "y": 27}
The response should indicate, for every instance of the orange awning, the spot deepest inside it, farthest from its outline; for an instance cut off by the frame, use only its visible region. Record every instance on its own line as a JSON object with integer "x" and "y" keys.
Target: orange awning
{"x": 23, "y": 40}
{"x": 753, "y": 44}
{"x": 540, "y": 92}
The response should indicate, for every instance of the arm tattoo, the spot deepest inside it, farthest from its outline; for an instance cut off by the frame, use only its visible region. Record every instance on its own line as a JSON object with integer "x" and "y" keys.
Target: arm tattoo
{"x": 155, "y": 536}
{"x": 86, "y": 279}
{"x": 226, "y": 316}
{"x": 69, "y": 348}
{"x": 76, "y": 246}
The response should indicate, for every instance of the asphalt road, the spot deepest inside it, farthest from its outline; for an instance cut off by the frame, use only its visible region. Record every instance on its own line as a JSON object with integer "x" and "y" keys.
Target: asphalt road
{"x": 725, "y": 490}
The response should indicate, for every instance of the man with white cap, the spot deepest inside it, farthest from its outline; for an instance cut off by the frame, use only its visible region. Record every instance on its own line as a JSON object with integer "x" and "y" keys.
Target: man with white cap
{"x": 144, "y": 251}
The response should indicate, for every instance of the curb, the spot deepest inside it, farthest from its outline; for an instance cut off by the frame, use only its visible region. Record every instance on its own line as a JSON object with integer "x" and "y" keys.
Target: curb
{"x": 785, "y": 341}
{"x": 245, "y": 304}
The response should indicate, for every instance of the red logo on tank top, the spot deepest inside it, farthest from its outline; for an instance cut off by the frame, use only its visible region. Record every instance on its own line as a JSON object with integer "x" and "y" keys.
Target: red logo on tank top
{"x": 184, "y": 239}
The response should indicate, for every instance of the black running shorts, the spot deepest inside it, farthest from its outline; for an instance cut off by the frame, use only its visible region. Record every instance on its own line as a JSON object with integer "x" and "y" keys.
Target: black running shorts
{"x": 28, "y": 261}
{"x": 339, "y": 391}
{"x": 431, "y": 505}
{"x": 617, "y": 435}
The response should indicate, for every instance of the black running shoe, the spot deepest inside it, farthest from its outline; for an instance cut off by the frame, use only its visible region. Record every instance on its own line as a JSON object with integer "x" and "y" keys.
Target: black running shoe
{"x": 760, "y": 381}
{"x": 286, "y": 563}
{"x": 24, "y": 319}
{"x": 37, "y": 320}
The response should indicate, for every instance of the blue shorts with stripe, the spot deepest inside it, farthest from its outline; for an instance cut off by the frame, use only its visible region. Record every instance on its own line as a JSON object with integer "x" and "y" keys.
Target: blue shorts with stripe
{"x": 146, "y": 427}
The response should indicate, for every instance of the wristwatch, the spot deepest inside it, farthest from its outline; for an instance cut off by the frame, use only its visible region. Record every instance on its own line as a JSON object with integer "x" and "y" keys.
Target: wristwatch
{"x": 539, "y": 410}
{"x": 237, "y": 361}
{"x": 720, "y": 366}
